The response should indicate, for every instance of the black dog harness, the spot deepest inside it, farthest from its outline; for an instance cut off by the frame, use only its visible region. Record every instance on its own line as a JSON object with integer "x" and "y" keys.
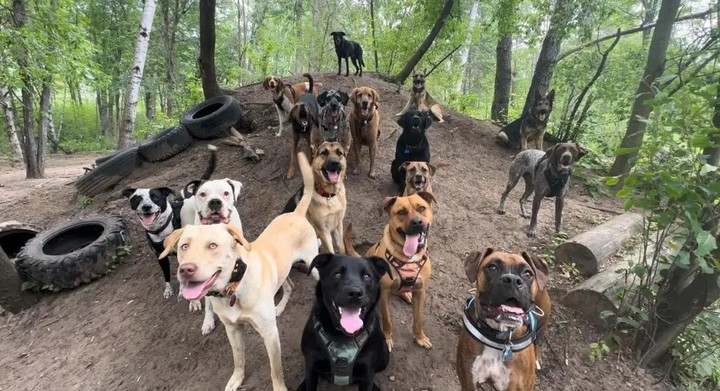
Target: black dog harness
{"x": 502, "y": 340}
{"x": 408, "y": 271}
{"x": 556, "y": 182}
{"x": 229, "y": 290}
{"x": 342, "y": 354}
{"x": 410, "y": 148}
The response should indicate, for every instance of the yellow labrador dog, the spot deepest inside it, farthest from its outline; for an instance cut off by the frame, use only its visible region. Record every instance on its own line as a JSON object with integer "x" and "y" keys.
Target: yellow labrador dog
{"x": 242, "y": 278}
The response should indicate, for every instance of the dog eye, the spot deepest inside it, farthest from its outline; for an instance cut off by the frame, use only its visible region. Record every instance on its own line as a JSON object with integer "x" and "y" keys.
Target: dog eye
{"x": 324, "y": 152}
{"x": 402, "y": 212}
{"x": 339, "y": 153}
{"x": 492, "y": 268}
{"x": 202, "y": 195}
{"x": 527, "y": 274}
{"x": 421, "y": 209}
{"x": 184, "y": 247}
{"x": 337, "y": 275}
{"x": 226, "y": 194}
{"x": 213, "y": 246}
{"x": 367, "y": 277}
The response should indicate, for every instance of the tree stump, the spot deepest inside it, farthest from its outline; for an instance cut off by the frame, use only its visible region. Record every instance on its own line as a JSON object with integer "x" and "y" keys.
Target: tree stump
{"x": 590, "y": 250}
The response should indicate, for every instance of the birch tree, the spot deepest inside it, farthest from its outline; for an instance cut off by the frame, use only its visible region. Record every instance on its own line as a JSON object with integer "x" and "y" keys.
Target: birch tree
{"x": 10, "y": 123}
{"x": 127, "y": 124}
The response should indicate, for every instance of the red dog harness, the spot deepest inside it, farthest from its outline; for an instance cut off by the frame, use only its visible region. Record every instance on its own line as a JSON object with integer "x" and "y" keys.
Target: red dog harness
{"x": 408, "y": 271}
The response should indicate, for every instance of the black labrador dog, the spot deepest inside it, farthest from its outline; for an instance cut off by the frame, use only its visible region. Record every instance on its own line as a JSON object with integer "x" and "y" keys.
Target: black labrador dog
{"x": 345, "y": 48}
{"x": 342, "y": 341}
{"x": 412, "y": 145}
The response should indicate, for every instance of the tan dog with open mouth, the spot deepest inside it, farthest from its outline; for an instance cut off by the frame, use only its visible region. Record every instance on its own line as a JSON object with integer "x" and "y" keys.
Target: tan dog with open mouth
{"x": 404, "y": 247}
{"x": 242, "y": 278}
{"x": 418, "y": 177}
{"x": 503, "y": 322}
{"x": 365, "y": 125}
{"x": 285, "y": 96}
{"x": 328, "y": 204}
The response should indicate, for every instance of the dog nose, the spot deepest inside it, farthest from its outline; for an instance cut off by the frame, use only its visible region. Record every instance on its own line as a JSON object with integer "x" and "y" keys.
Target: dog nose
{"x": 364, "y": 105}
{"x": 146, "y": 208}
{"x": 215, "y": 204}
{"x": 415, "y": 222}
{"x": 333, "y": 166}
{"x": 512, "y": 279}
{"x": 418, "y": 177}
{"x": 187, "y": 269}
{"x": 354, "y": 293}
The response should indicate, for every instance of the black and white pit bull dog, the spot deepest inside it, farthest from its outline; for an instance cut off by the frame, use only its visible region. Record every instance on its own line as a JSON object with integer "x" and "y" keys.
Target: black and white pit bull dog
{"x": 159, "y": 215}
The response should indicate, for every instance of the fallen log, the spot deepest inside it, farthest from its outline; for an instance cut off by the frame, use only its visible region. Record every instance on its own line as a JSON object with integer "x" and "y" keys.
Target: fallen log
{"x": 590, "y": 250}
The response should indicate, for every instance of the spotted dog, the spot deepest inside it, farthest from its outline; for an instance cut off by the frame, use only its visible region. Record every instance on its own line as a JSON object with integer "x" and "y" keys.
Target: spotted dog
{"x": 548, "y": 174}
{"x": 333, "y": 126}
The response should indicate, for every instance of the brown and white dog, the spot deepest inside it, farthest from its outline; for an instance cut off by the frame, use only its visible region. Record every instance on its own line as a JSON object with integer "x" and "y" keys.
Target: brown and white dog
{"x": 242, "y": 278}
{"x": 421, "y": 100}
{"x": 418, "y": 177}
{"x": 365, "y": 125}
{"x": 328, "y": 204}
{"x": 404, "y": 247}
{"x": 503, "y": 321}
{"x": 285, "y": 96}
{"x": 303, "y": 117}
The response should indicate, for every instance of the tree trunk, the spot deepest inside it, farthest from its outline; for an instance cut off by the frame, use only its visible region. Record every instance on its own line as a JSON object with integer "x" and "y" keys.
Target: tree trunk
{"x": 103, "y": 112}
{"x": 413, "y": 61}
{"x": 653, "y": 70}
{"x": 10, "y": 124}
{"x": 45, "y": 122}
{"x": 12, "y": 298}
{"x": 298, "y": 35}
{"x": 650, "y": 10}
{"x": 465, "y": 56}
{"x": 127, "y": 126}
{"x": 503, "y": 79}
{"x": 206, "y": 60}
{"x": 372, "y": 27}
{"x": 150, "y": 103}
{"x": 168, "y": 37}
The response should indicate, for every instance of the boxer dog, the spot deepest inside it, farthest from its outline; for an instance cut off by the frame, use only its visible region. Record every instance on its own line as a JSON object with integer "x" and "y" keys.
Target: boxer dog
{"x": 503, "y": 321}
{"x": 241, "y": 278}
{"x": 404, "y": 247}
{"x": 159, "y": 216}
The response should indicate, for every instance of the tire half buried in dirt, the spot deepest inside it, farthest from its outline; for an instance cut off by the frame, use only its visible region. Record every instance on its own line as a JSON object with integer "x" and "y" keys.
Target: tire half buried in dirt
{"x": 165, "y": 144}
{"x": 72, "y": 254}
{"x": 211, "y": 118}
{"x": 14, "y": 235}
{"x": 109, "y": 173}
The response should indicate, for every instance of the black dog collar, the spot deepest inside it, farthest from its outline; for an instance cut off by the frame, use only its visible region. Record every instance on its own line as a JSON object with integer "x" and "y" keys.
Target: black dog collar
{"x": 237, "y": 275}
{"x": 557, "y": 182}
{"x": 159, "y": 230}
{"x": 342, "y": 354}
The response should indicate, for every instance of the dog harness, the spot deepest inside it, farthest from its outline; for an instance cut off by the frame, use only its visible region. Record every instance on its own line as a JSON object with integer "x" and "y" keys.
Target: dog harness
{"x": 332, "y": 124}
{"x": 502, "y": 340}
{"x": 409, "y": 148}
{"x": 342, "y": 354}
{"x": 556, "y": 182}
{"x": 408, "y": 271}
{"x": 229, "y": 290}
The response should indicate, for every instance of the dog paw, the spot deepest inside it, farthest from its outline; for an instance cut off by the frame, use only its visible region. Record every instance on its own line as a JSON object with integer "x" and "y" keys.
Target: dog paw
{"x": 372, "y": 175}
{"x": 168, "y": 291}
{"x": 406, "y": 297}
{"x": 235, "y": 382}
{"x": 389, "y": 343}
{"x": 561, "y": 234}
{"x": 290, "y": 175}
{"x": 424, "y": 341}
{"x": 207, "y": 327}
{"x": 278, "y": 133}
{"x": 195, "y": 305}
{"x": 531, "y": 233}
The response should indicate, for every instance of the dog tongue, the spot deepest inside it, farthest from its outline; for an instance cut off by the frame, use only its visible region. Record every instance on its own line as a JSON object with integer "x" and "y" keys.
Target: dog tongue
{"x": 193, "y": 289}
{"x": 511, "y": 309}
{"x": 411, "y": 245}
{"x": 147, "y": 219}
{"x": 542, "y": 117}
{"x": 333, "y": 176}
{"x": 350, "y": 319}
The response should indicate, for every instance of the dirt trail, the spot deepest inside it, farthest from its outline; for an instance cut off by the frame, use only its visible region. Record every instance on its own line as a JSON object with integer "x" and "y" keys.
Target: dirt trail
{"x": 119, "y": 333}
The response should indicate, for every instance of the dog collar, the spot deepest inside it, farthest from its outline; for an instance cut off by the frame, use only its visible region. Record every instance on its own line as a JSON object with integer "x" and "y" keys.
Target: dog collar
{"x": 501, "y": 340}
{"x": 342, "y": 353}
{"x": 323, "y": 193}
{"x": 410, "y": 148}
{"x": 229, "y": 290}
{"x": 408, "y": 271}
{"x": 159, "y": 230}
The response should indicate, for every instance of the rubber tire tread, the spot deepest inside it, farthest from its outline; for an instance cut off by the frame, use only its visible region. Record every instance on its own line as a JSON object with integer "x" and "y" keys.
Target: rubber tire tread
{"x": 165, "y": 144}
{"x": 216, "y": 123}
{"x": 109, "y": 173}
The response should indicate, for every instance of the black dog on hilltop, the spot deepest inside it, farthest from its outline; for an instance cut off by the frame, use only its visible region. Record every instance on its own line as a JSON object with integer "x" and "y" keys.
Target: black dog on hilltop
{"x": 342, "y": 341}
{"x": 412, "y": 145}
{"x": 344, "y": 49}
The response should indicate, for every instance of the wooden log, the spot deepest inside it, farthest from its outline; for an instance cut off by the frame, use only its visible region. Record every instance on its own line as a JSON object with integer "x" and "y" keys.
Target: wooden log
{"x": 590, "y": 250}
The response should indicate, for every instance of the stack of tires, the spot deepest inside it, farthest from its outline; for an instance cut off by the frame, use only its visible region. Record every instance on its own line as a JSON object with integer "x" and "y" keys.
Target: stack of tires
{"x": 207, "y": 120}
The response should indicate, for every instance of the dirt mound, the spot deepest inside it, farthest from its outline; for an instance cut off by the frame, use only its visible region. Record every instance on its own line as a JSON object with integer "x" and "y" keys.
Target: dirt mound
{"x": 119, "y": 333}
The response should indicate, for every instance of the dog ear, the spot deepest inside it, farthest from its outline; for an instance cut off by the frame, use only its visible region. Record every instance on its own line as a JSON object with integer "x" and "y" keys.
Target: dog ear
{"x": 166, "y": 191}
{"x": 402, "y": 121}
{"x": 170, "y": 242}
{"x": 376, "y": 97}
{"x": 127, "y": 192}
{"x": 550, "y": 151}
{"x": 472, "y": 262}
{"x": 236, "y": 187}
{"x": 192, "y": 186}
{"x": 237, "y": 234}
{"x": 551, "y": 95}
{"x": 316, "y": 141}
{"x": 320, "y": 261}
{"x": 403, "y": 167}
{"x": 380, "y": 265}
{"x": 344, "y": 97}
{"x": 538, "y": 95}
{"x": 353, "y": 96}
{"x": 581, "y": 150}
{"x": 266, "y": 83}
{"x": 427, "y": 196}
{"x": 432, "y": 168}
{"x": 322, "y": 98}
{"x": 540, "y": 268}
{"x": 389, "y": 202}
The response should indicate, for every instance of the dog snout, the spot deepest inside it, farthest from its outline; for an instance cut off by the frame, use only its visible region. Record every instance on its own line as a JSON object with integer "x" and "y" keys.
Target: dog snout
{"x": 354, "y": 293}
{"x": 512, "y": 280}
{"x": 416, "y": 222}
{"x": 146, "y": 208}
{"x": 418, "y": 177}
{"x": 333, "y": 165}
{"x": 364, "y": 104}
{"x": 215, "y": 204}
{"x": 187, "y": 270}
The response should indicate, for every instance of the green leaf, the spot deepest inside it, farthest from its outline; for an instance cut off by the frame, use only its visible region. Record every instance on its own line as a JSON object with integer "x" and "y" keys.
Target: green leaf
{"x": 705, "y": 243}
{"x": 707, "y": 168}
{"x": 683, "y": 259}
{"x": 612, "y": 180}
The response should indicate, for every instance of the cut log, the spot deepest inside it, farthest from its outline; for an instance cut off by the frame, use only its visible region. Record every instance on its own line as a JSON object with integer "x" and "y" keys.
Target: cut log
{"x": 590, "y": 250}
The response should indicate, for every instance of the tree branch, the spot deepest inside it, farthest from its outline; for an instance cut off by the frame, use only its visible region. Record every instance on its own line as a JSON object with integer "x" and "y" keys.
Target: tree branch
{"x": 443, "y": 59}
{"x": 619, "y": 33}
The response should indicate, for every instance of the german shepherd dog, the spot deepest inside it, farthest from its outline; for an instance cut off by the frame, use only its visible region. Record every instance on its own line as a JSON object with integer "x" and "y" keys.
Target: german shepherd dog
{"x": 421, "y": 100}
{"x": 530, "y": 125}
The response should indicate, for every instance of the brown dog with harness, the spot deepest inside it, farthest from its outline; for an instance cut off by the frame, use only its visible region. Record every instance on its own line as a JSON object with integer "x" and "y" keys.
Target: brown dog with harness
{"x": 404, "y": 247}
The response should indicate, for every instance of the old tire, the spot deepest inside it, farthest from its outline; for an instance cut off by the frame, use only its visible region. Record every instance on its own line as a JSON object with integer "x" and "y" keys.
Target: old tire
{"x": 109, "y": 173}
{"x": 14, "y": 235}
{"x": 211, "y": 118}
{"x": 165, "y": 144}
{"x": 72, "y": 254}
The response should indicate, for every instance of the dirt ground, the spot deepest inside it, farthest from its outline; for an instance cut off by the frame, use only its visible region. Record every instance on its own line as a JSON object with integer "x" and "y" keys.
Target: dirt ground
{"x": 118, "y": 333}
